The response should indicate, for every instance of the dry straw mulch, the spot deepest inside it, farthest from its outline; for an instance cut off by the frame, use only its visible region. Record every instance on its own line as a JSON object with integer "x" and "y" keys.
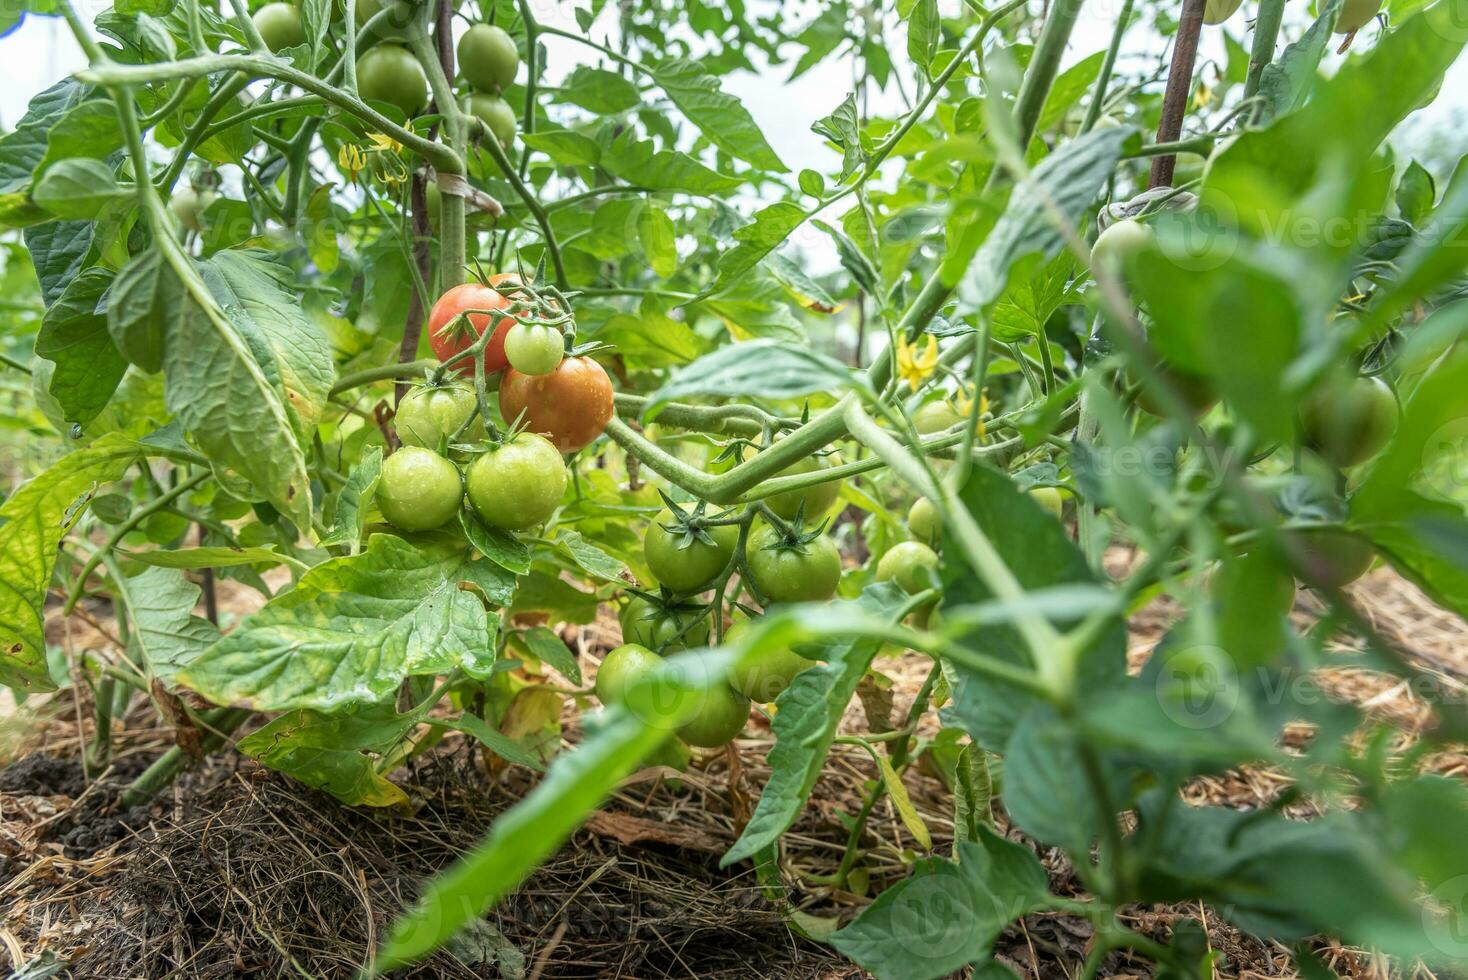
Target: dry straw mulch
{"x": 240, "y": 872}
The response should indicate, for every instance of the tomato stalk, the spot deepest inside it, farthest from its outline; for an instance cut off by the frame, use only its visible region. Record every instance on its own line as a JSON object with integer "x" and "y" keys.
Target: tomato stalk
{"x": 1266, "y": 34}
{"x": 1179, "y": 85}
{"x": 1108, "y": 65}
{"x": 451, "y": 207}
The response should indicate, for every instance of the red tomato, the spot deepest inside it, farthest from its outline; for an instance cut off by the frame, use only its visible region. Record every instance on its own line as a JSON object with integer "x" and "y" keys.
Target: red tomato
{"x": 470, "y": 296}
{"x": 570, "y": 406}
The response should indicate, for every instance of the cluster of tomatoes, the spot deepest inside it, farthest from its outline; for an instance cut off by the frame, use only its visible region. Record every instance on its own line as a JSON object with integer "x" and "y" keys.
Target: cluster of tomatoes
{"x": 554, "y": 404}
{"x": 1346, "y": 420}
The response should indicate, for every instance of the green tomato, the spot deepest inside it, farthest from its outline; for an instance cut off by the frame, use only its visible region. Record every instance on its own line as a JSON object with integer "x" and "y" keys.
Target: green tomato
{"x": 1252, "y": 580}
{"x": 534, "y": 349}
{"x": 904, "y": 563}
{"x": 1332, "y": 558}
{"x": 431, "y": 413}
{"x": 691, "y": 568}
{"x": 935, "y": 417}
{"x": 1356, "y": 14}
{"x": 1349, "y": 423}
{"x": 1119, "y": 245}
{"x": 1218, "y": 11}
{"x": 1195, "y": 391}
{"x": 401, "y": 23}
{"x": 517, "y": 484}
{"x": 488, "y": 58}
{"x": 923, "y": 520}
{"x": 280, "y": 25}
{"x": 389, "y": 73}
{"x": 623, "y": 667}
{"x": 497, "y": 115}
{"x": 1050, "y": 499}
{"x": 817, "y": 499}
{"x": 766, "y": 679}
{"x": 419, "y": 489}
{"x": 663, "y": 628}
{"x": 721, "y": 715}
{"x": 808, "y": 573}
{"x": 188, "y": 206}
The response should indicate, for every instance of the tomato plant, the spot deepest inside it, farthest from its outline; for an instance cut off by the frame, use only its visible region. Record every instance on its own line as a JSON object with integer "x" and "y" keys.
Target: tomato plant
{"x": 1028, "y": 344}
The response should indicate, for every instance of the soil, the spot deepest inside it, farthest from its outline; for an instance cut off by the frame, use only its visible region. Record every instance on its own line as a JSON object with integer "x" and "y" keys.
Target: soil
{"x": 238, "y": 871}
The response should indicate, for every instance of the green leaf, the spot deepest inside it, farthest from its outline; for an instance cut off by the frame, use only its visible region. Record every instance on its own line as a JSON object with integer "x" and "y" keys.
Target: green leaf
{"x": 770, "y": 227}
{"x": 719, "y": 116}
{"x": 1069, "y": 87}
{"x": 1288, "y": 79}
{"x": 524, "y": 836}
{"x": 758, "y": 368}
{"x": 208, "y": 557}
{"x": 337, "y": 753}
{"x": 499, "y": 546}
{"x": 854, "y": 260}
{"x": 354, "y": 501}
{"x": 59, "y": 251}
{"x": 166, "y": 635}
{"x": 1416, "y": 193}
{"x": 355, "y": 626}
{"x": 640, "y": 162}
{"x": 544, "y": 591}
{"x": 591, "y": 559}
{"x": 23, "y": 148}
{"x": 973, "y": 789}
{"x": 32, "y": 522}
{"x": 548, "y": 648}
{"x": 600, "y": 91}
{"x": 923, "y": 31}
{"x": 946, "y": 914}
{"x": 565, "y": 147}
{"x": 78, "y": 188}
{"x": 911, "y": 819}
{"x": 74, "y": 336}
{"x": 659, "y": 240}
{"x": 1433, "y": 258}
{"x": 145, "y": 295}
{"x": 806, "y": 291}
{"x": 1062, "y": 187}
{"x": 806, "y": 716}
{"x": 1027, "y": 304}
{"x": 756, "y": 307}
{"x": 244, "y": 383}
{"x": 649, "y": 339}
{"x": 261, "y": 298}
{"x": 812, "y": 183}
{"x": 843, "y": 127}
{"x": 1247, "y": 363}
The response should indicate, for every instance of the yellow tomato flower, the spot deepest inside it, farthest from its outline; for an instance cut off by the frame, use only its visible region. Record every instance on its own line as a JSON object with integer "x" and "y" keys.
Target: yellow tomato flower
{"x": 912, "y": 367}
{"x": 351, "y": 160}
{"x": 381, "y": 141}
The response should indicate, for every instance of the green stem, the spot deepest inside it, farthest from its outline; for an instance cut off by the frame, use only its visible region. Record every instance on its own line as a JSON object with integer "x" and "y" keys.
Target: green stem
{"x": 451, "y": 207}
{"x": 222, "y": 96}
{"x": 532, "y": 203}
{"x": 122, "y": 530}
{"x": 111, "y": 75}
{"x": 1266, "y": 34}
{"x": 387, "y": 372}
{"x": 1108, "y": 65}
{"x": 14, "y": 364}
{"x": 1044, "y": 63}
{"x": 217, "y": 724}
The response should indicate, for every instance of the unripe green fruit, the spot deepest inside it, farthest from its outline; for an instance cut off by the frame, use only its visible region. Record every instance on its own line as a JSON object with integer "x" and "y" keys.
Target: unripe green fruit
{"x": 621, "y": 668}
{"x": 280, "y": 25}
{"x": 904, "y": 563}
{"x": 1049, "y": 498}
{"x": 721, "y": 715}
{"x": 923, "y": 520}
{"x": 1350, "y": 422}
{"x": 1218, "y": 11}
{"x": 419, "y": 490}
{"x": 497, "y": 115}
{"x": 1356, "y": 14}
{"x": 767, "y": 679}
{"x": 1119, "y": 245}
{"x": 488, "y": 58}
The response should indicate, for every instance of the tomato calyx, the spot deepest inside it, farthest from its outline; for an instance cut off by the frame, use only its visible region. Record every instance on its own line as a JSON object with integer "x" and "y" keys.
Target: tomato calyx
{"x": 690, "y": 527}
{"x": 793, "y": 535}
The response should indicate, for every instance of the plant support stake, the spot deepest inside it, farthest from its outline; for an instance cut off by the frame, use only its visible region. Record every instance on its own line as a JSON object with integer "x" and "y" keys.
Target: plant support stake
{"x": 1179, "y": 84}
